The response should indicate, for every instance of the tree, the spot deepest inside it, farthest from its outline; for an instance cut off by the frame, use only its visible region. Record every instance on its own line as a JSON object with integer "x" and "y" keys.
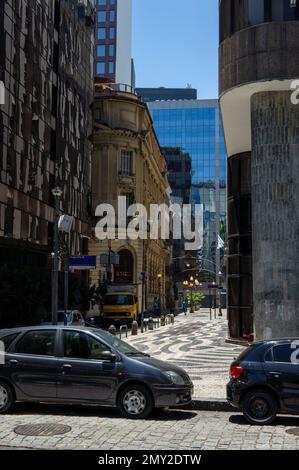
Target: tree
{"x": 195, "y": 298}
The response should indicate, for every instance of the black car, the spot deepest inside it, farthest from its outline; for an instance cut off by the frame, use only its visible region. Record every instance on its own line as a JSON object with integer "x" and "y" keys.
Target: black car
{"x": 78, "y": 365}
{"x": 265, "y": 380}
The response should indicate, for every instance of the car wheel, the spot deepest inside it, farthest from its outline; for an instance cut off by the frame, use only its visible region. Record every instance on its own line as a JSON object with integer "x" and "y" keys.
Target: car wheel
{"x": 6, "y": 397}
{"x": 259, "y": 407}
{"x": 135, "y": 402}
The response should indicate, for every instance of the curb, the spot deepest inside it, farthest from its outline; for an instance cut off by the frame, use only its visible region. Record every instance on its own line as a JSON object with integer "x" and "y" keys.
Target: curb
{"x": 210, "y": 404}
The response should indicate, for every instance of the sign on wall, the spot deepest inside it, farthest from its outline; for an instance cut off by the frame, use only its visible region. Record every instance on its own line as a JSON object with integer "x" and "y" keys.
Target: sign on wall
{"x": 2, "y": 93}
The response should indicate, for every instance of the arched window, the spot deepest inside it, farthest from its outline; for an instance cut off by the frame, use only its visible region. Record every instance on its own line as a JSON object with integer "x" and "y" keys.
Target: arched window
{"x": 124, "y": 272}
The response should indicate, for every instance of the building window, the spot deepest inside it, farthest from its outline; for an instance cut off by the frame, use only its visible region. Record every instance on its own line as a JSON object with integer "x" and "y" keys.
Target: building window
{"x": 126, "y": 163}
{"x": 100, "y": 68}
{"x": 111, "y": 50}
{"x": 112, "y": 2}
{"x": 101, "y": 33}
{"x": 111, "y": 67}
{"x": 101, "y": 16}
{"x": 112, "y": 16}
{"x": 101, "y": 51}
{"x": 112, "y": 33}
{"x": 101, "y": 2}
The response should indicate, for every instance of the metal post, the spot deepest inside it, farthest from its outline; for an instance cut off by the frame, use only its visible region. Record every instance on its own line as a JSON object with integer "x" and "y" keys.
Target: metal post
{"x": 142, "y": 302}
{"x": 210, "y": 297}
{"x": 191, "y": 300}
{"x": 55, "y": 262}
{"x": 66, "y": 282}
{"x": 215, "y": 305}
{"x": 109, "y": 268}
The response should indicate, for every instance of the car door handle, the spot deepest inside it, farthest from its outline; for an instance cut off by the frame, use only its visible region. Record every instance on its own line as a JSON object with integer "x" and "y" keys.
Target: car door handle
{"x": 66, "y": 366}
{"x": 276, "y": 374}
{"x": 13, "y": 362}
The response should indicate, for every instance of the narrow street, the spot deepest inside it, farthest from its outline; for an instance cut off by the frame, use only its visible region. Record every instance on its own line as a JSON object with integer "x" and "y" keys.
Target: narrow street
{"x": 197, "y": 344}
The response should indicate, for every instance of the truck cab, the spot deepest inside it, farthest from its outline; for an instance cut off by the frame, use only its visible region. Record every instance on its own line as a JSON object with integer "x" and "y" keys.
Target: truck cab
{"x": 120, "y": 304}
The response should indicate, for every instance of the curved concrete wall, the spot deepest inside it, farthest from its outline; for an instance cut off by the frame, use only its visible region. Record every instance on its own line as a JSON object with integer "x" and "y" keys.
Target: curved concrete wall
{"x": 269, "y": 51}
{"x": 257, "y": 65}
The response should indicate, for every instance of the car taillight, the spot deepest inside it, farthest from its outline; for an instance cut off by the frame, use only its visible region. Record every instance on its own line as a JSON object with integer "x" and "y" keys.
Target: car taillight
{"x": 236, "y": 372}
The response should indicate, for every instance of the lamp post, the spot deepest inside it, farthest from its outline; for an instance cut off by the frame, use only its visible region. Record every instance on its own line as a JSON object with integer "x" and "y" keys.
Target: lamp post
{"x": 57, "y": 193}
{"x": 220, "y": 288}
{"x": 215, "y": 299}
{"x": 159, "y": 276}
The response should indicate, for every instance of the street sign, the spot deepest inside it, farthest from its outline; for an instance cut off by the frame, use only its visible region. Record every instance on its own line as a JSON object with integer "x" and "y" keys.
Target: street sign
{"x": 114, "y": 259}
{"x": 65, "y": 223}
{"x": 82, "y": 262}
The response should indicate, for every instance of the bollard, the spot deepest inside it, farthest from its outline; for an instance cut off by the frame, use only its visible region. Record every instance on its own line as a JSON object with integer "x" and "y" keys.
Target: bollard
{"x": 172, "y": 319}
{"x": 162, "y": 321}
{"x": 123, "y": 327}
{"x": 134, "y": 329}
{"x": 150, "y": 324}
{"x": 112, "y": 330}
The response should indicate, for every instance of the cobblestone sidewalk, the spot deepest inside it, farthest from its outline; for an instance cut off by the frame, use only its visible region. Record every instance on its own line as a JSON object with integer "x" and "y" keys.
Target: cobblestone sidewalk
{"x": 105, "y": 429}
{"x": 196, "y": 344}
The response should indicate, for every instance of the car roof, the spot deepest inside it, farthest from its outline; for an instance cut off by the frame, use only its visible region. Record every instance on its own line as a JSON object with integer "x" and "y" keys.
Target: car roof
{"x": 275, "y": 340}
{"x": 46, "y": 327}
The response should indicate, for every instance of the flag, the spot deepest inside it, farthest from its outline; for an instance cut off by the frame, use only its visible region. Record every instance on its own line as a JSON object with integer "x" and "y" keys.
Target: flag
{"x": 220, "y": 243}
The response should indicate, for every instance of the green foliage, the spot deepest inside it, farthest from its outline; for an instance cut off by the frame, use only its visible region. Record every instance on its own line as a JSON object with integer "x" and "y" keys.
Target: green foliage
{"x": 195, "y": 298}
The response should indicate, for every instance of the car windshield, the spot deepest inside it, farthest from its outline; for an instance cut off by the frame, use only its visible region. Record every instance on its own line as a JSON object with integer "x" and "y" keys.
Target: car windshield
{"x": 118, "y": 344}
{"x": 60, "y": 317}
{"x": 119, "y": 299}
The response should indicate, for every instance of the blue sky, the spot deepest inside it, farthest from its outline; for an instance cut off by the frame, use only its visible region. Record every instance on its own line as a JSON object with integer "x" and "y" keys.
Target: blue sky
{"x": 175, "y": 42}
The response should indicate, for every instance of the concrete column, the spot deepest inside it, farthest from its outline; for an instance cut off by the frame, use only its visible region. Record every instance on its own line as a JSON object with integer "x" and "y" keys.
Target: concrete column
{"x": 275, "y": 214}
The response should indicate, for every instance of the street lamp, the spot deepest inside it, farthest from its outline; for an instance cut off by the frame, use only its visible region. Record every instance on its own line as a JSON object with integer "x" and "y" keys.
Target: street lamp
{"x": 57, "y": 194}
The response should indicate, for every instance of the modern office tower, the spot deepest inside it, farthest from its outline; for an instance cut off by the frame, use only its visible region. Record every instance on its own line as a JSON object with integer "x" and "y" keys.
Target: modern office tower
{"x": 259, "y": 59}
{"x": 179, "y": 170}
{"x": 46, "y": 64}
{"x": 195, "y": 128}
{"x": 113, "y": 55}
{"x": 165, "y": 94}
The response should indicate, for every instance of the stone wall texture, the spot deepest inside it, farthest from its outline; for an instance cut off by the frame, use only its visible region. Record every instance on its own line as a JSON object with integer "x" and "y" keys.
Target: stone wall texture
{"x": 269, "y": 51}
{"x": 275, "y": 214}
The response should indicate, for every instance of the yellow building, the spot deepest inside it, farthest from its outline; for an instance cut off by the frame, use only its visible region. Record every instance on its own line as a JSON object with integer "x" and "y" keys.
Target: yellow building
{"x": 127, "y": 161}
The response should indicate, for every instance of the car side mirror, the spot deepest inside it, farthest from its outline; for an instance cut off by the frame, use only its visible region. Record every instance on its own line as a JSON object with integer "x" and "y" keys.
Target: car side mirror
{"x": 108, "y": 356}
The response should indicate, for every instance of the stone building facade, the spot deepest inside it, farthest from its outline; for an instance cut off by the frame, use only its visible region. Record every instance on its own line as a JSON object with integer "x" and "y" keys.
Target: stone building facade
{"x": 46, "y": 64}
{"x": 127, "y": 161}
{"x": 258, "y": 61}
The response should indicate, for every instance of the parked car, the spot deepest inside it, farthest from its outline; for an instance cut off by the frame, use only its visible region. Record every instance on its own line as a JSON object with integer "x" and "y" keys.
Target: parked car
{"x": 265, "y": 380}
{"x": 73, "y": 317}
{"x": 77, "y": 365}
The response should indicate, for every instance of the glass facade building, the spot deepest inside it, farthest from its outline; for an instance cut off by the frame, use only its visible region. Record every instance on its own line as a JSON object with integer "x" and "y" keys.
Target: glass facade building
{"x": 195, "y": 127}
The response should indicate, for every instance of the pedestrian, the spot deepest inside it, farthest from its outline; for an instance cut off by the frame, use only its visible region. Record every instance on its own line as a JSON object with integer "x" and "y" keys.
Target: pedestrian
{"x": 185, "y": 307}
{"x": 156, "y": 307}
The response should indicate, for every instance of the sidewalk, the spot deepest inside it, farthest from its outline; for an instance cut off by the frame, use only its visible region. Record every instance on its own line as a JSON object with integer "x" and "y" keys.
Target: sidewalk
{"x": 198, "y": 345}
